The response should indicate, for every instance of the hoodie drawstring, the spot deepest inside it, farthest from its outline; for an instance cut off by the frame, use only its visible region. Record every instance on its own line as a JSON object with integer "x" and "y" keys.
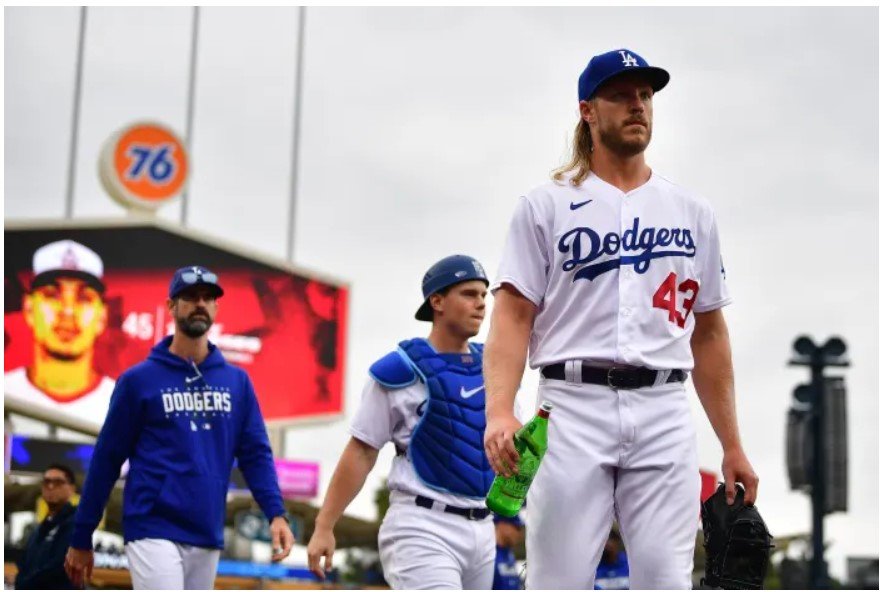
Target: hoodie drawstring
{"x": 196, "y": 370}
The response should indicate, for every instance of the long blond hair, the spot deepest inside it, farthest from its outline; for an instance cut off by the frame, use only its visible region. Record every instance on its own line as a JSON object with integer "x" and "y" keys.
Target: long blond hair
{"x": 579, "y": 163}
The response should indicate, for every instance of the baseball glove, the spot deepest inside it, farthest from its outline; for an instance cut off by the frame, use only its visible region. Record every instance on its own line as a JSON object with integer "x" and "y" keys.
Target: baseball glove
{"x": 737, "y": 543}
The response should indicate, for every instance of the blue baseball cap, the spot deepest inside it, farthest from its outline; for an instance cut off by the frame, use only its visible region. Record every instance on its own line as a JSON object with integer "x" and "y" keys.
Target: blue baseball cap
{"x": 606, "y": 66}
{"x": 193, "y": 275}
{"x": 447, "y": 272}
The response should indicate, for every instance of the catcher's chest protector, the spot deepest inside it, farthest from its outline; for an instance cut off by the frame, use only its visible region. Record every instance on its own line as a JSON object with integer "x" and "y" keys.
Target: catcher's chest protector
{"x": 737, "y": 542}
{"x": 447, "y": 444}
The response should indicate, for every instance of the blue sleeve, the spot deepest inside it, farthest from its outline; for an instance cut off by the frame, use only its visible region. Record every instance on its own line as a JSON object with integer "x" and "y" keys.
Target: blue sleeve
{"x": 255, "y": 458}
{"x": 115, "y": 444}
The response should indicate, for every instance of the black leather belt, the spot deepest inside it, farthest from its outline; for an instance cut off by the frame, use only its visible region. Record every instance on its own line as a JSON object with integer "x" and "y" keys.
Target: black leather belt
{"x": 617, "y": 378}
{"x": 467, "y": 513}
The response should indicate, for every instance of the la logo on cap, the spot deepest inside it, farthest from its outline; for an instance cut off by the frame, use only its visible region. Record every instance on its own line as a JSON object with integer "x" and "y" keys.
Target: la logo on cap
{"x": 628, "y": 59}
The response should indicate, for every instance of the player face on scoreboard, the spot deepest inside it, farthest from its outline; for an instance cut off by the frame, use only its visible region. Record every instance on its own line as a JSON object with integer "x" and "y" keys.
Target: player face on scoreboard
{"x": 621, "y": 113}
{"x": 66, "y": 317}
{"x": 462, "y": 308}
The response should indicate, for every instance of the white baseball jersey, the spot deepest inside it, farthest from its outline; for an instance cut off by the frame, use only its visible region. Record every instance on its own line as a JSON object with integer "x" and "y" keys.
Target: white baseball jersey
{"x": 90, "y": 406}
{"x": 616, "y": 276}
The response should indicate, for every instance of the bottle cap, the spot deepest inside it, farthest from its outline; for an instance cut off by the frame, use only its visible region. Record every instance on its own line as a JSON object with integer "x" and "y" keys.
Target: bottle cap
{"x": 546, "y": 406}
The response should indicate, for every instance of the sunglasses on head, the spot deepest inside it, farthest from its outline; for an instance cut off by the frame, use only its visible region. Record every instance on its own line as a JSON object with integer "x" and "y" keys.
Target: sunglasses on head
{"x": 192, "y": 277}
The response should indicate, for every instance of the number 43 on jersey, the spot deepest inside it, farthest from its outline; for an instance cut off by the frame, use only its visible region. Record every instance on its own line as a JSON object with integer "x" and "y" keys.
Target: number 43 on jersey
{"x": 667, "y": 293}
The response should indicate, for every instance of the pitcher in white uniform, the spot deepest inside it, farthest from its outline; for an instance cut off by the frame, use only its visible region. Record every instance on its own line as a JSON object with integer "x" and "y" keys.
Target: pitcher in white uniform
{"x": 612, "y": 279}
{"x": 426, "y": 397}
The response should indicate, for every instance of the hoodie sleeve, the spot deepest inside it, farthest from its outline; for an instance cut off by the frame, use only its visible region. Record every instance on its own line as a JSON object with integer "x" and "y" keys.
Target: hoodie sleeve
{"x": 255, "y": 458}
{"x": 115, "y": 444}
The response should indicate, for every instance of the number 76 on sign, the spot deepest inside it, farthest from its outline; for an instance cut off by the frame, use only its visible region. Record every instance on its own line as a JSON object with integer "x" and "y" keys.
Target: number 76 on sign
{"x": 144, "y": 165}
{"x": 156, "y": 162}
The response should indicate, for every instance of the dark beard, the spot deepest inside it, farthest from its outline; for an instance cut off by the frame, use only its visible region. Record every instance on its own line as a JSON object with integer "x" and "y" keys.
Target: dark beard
{"x": 193, "y": 327}
{"x": 618, "y": 145}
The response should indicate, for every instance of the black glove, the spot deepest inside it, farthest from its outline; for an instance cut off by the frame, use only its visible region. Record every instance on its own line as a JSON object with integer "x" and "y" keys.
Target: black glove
{"x": 737, "y": 543}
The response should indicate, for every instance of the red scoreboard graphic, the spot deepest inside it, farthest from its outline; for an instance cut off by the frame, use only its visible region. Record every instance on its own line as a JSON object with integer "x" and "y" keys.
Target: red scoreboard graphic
{"x": 287, "y": 330}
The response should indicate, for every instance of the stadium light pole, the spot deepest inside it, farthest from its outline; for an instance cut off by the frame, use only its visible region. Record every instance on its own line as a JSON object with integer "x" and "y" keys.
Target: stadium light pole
{"x": 295, "y": 144}
{"x": 191, "y": 106}
{"x": 807, "y": 353}
{"x": 75, "y": 116}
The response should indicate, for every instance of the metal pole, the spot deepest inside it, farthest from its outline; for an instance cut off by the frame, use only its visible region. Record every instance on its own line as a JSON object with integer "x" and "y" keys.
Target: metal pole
{"x": 818, "y": 487}
{"x": 75, "y": 117}
{"x": 295, "y": 148}
{"x": 191, "y": 104}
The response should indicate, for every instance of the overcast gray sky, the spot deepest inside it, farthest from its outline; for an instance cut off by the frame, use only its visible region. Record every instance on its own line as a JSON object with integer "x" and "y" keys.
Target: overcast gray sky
{"x": 421, "y": 127}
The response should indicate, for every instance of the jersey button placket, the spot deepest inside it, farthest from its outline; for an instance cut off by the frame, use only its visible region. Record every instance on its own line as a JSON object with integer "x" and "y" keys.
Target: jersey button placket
{"x": 626, "y": 287}
{"x": 627, "y": 291}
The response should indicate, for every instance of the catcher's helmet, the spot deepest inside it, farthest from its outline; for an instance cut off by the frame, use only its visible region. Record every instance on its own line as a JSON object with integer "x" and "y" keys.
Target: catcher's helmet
{"x": 447, "y": 272}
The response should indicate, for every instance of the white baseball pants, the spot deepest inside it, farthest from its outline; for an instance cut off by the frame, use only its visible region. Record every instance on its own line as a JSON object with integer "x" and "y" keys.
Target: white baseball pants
{"x": 158, "y": 564}
{"x": 427, "y": 549}
{"x": 625, "y": 454}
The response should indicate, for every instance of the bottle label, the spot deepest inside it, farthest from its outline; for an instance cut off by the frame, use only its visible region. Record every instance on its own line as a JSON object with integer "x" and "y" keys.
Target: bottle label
{"x": 517, "y": 485}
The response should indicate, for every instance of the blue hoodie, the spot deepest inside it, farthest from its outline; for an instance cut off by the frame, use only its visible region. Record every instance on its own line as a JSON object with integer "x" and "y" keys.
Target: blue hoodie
{"x": 180, "y": 425}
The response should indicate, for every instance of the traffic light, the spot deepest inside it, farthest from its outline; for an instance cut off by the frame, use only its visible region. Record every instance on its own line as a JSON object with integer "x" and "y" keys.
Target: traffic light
{"x": 800, "y": 443}
{"x": 816, "y": 440}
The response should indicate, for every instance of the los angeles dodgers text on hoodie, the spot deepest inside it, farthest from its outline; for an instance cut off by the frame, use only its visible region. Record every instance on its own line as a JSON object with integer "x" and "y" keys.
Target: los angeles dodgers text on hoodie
{"x": 180, "y": 425}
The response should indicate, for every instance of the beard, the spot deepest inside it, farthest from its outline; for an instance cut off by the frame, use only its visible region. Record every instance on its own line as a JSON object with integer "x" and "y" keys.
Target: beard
{"x": 616, "y": 142}
{"x": 195, "y": 325}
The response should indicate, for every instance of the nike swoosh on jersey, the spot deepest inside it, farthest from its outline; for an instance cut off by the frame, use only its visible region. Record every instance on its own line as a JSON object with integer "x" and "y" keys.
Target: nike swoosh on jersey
{"x": 468, "y": 394}
{"x": 574, "y": 206}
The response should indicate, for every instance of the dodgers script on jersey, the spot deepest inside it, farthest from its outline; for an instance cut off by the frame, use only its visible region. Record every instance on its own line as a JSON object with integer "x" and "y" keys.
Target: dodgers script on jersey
{"x": 616, "y": 276}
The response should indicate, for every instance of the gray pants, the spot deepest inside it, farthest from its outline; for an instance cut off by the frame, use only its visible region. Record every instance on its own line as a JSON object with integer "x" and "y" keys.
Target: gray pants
{"x": 158, "y": 564}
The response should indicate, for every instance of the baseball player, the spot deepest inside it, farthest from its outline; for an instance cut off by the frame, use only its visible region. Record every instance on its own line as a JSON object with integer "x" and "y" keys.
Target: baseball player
{"x": 612, "y": 277}
{"x": 180, "y": 417}
{"x": 509, "y": 534}
{"x": 427, "y": 398}
{"x": 66, "y": 313}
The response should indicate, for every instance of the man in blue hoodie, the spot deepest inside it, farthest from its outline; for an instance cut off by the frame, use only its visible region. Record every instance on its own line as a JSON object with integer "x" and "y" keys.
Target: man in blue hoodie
{"x": 180, "y": 417}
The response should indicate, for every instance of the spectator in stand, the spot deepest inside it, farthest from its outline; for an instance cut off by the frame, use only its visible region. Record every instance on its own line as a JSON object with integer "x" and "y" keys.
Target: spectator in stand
{"x": 42, "y": 565}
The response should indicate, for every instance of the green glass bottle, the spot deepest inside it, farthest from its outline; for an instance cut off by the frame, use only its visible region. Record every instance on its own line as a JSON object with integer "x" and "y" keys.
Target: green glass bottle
{"x": 507, "y": 494}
